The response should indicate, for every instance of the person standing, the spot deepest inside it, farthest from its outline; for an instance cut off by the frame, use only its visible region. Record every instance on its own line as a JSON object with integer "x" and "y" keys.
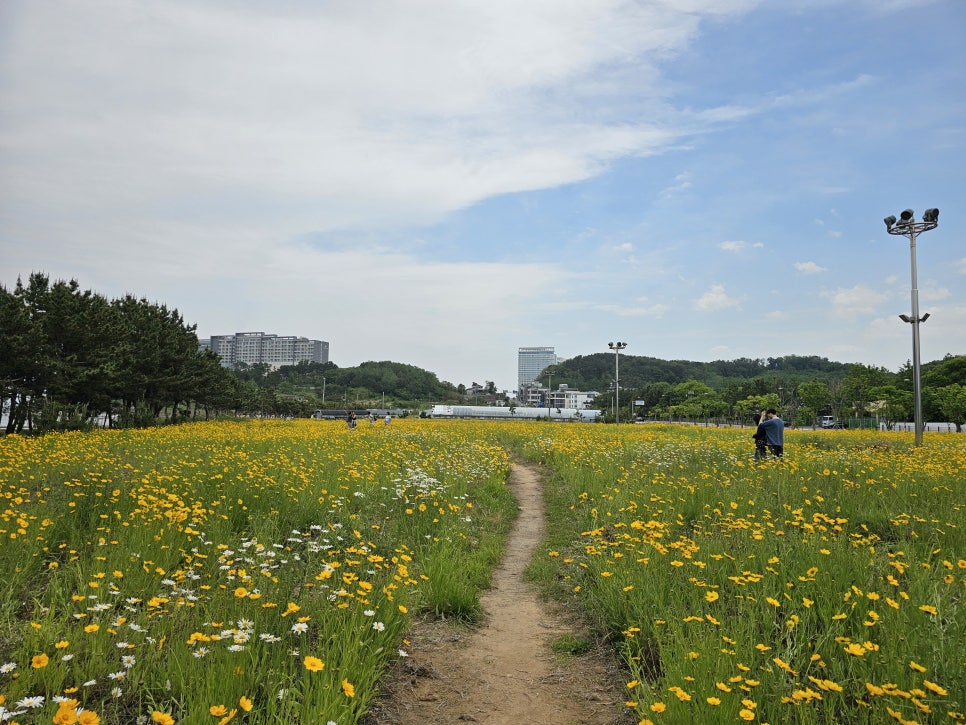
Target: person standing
{"x": 388, "y": 419}
{"x": 774, "y": 428}
{"x": 761, "y": 451}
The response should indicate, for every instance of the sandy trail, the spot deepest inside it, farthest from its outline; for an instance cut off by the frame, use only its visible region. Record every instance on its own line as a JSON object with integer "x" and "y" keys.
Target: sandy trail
{"x": 504, "y": 671}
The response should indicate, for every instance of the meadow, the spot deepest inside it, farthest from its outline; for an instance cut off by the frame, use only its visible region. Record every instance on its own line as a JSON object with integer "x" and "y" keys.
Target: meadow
{"x": 267, "y": 571}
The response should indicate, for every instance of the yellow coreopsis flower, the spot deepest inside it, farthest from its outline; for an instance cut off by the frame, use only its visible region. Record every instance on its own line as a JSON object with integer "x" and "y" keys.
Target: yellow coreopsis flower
{"x": 348, "y": 688}
{"x": 88, "y": 717}
{"x": 245, "y": 704}
{"x": 39, "y": 661}
{"x": 218, "y": 710}
{"x": 941, "y": 691}
{"x": 313, "y": 664}
{"x": 162, "y": 718}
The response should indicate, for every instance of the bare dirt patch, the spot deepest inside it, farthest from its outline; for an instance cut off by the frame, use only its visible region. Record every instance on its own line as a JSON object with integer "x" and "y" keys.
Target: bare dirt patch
{"x": 504, "y": 671}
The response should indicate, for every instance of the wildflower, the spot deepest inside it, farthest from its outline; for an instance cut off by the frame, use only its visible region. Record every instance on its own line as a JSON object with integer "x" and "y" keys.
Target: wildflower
{"x": 713, "y": 701}
{"x": 855, "y": 649}
{"x": 746, "y": 714}
{"x": 711, "y": 596}
{"x": 162, "y": 718}
{"x": 941, "y": 691}
{"x": 313, "y": 664}
{"x": 348, "y": 688}
{"x": 31, "y": 702}
{"x": 39, "y": 661}
{"x": 218, "y": 710}
{"x": 658, "y": 707}
{"x": 245, "y": 704}
{"x": 928, "y": 609}
{"x": 300, "y": 628}
{"x": 916, "y": 666}
{"x": 379, "y": 626}
{"x": 8, "y": 667}
{"x": 88, "y": 717}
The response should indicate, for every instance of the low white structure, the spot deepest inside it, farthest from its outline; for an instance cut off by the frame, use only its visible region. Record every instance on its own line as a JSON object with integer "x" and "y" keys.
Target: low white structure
{"x": 498, "y": 412}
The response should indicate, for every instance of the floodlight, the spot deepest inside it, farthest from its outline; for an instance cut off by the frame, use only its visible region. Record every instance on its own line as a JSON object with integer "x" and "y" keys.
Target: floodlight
{"x": 889, "y": 221}
{"x": 924, "y": 317}
{"x": 905, "y": 318}
{"x": 907, "y": 216}
{"x": 930, "y": 215}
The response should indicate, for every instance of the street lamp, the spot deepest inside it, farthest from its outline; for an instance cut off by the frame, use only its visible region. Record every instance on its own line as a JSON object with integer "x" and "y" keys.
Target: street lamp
{"x": 907, "y": 226}
{"x": 617, "y": 347}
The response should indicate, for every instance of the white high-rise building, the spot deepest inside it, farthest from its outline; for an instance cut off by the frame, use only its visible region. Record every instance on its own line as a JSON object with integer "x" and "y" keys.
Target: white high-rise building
{"x": 530, "y": 363}
{"x": 253, "y": 348}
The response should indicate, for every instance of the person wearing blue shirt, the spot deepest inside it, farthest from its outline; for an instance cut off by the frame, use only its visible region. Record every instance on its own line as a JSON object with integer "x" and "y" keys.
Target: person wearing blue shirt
{"x": 774, "y": 430}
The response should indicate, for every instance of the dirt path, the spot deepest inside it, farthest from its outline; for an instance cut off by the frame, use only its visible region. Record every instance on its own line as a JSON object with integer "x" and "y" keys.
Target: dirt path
{"x": 504, "y": 671}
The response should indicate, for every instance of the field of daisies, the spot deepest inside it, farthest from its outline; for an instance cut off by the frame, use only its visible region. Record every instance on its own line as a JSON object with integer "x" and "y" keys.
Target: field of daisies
{"x": 268, "y": 571}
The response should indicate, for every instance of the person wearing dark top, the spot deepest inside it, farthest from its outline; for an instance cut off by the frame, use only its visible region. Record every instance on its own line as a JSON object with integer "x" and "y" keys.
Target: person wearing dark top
{"x": 760, "y": 450}
{"x": 774, "y": 428}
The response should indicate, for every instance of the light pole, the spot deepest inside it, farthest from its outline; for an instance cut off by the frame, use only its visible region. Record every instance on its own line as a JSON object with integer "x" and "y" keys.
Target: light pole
{"x": 617, "y": 347}
{"x": 907, "y": 226}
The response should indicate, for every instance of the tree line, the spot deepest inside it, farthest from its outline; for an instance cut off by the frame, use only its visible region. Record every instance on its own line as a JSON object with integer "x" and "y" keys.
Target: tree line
{"x": 802, "y": 388}
{"x": 73, "y": 359}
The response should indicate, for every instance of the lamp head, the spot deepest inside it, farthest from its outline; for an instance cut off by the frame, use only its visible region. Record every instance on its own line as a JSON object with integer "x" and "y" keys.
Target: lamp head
{"x": 930, "y": 215}
{"x": 905, "y": 318}
{"x": 907, "y": 216}
{"x": 889, "y": 221}
{"x": 924, "y": 317}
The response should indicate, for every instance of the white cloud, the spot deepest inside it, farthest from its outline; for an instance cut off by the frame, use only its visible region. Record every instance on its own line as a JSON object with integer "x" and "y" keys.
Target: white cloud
{"x": 656, "y": 310}
{"x": 715, "y": 299}
{"x": 809, "y": 268}
{"x": 961, "y": 265}
{"x": 854, "y": 301}
{"x": 737, "y": 246}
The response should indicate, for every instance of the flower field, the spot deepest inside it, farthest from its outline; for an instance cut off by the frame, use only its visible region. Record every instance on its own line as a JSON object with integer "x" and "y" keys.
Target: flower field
{"x": 248, "y": 572}
{"x": 267, "y": 572}
{"x": 827, "y": 588}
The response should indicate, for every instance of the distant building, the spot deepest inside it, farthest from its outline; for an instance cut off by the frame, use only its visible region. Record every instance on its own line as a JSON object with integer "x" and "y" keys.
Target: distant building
{"x": 531, "y": 361}
{"x": 254, "y": 348}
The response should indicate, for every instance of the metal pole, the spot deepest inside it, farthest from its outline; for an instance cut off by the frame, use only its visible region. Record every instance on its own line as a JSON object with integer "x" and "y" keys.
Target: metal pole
{"x": 916, "y": 379}
{"x": 617, "y": 384}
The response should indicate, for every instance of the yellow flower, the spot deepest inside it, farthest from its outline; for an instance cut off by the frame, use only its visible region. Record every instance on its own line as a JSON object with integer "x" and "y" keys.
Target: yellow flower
{"x": 711, "y": 596}
{"x": 218, "y": 710}
{"x": 39, "y": 661}
{"x": 916, "y": 666}
{"x": 746, "y": 714}
{"x": 88, "y": 717}
{"x": 245, "y": 704}
{"x": 241, "y": 592}
{"x": 928, "y": 609}
{"x": 162, "y": 718}
{"x": 855, "y": 649}
{"x": 941, "y": 691}
{"x": 632, "y": 684}
{"x": 658, "y": 707}
{"x": 403, "y": 609}
{"x": 91, "y": 628}
{"x": 713, "y": 701}
{"x": 313, "y": 664}
{"x": 348, "y": 688}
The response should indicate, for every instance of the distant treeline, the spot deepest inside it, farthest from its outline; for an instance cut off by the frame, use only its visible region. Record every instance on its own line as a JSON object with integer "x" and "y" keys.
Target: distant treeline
{"x": 800, "y": 387}
{"x": 72, "y": 359}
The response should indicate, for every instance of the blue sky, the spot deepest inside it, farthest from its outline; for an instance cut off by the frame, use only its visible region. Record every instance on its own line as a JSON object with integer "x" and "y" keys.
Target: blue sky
{"x": 440, "y": 182}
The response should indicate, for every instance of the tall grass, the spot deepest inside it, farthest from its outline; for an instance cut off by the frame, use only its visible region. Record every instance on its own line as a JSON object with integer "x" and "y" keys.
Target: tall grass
{"x": 824, "y": 588}
{"x": 263, "y": 572}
